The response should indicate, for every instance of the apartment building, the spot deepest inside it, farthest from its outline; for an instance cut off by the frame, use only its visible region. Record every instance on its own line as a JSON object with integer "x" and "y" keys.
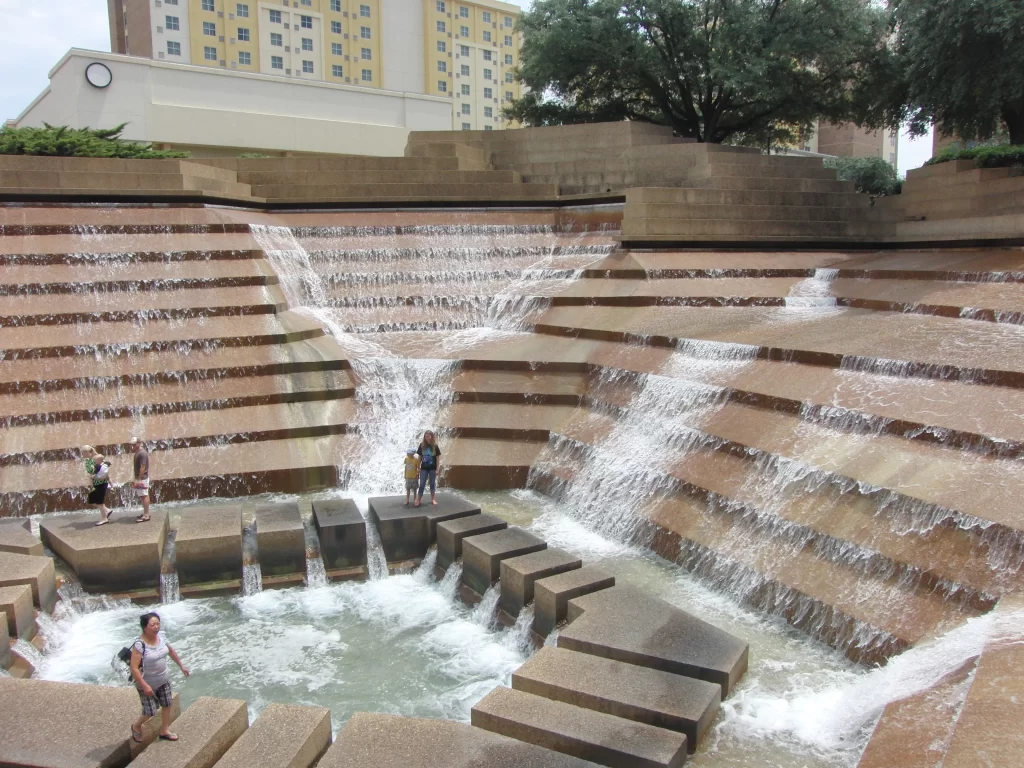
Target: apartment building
{"x": 464, "y": 51}
{"x": 850, "y": 140}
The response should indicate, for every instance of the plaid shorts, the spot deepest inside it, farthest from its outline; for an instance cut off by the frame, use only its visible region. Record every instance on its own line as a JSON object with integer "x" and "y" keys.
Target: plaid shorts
{"x": 161, "y": 698}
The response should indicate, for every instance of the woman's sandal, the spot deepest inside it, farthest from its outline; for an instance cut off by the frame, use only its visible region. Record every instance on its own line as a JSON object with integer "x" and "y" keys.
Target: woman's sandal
{"x": 136, "y": 736}
{"x": 106, "y": 519}
{"x": 169, "y": 736}
{"x": 142, "y": 519}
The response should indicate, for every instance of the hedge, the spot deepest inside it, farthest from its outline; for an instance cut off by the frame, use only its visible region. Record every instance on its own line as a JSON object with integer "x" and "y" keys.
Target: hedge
{"x": 1001, "y": 156}
{"x": 62, "y": 141}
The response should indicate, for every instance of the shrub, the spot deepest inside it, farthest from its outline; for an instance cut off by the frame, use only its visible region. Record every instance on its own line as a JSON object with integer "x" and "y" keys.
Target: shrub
{"x": 1002, "y": 156}
{"x": 252, "y": 155}
{"x": 62, "y": 141}
{"x": 872, "y": 175}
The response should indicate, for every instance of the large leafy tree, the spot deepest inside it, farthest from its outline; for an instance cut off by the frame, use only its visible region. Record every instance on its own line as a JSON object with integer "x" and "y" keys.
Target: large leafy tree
{"x": 754, "y": 71}
{"x": 956, "y": 63}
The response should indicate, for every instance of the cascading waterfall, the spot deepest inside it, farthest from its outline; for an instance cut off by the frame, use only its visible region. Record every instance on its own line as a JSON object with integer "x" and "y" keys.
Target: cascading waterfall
{"x": 169, "y": 588}
{"x": 316, "y": 574}
{"x": 252, "y": 576}
{"x": 815, "y": 291}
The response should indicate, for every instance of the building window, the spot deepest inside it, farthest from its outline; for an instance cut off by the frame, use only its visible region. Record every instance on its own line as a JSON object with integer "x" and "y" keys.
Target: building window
{"x": 440, "y": 6}
{"x": 488, "y": 112}
{"x": 243, "y": 34}
{"x": 336, "y": 70}
{"x": 277, "y": 62}
{"x": 508, "y": 59}
{"x": 307, "y": 66}
{"x": 244, "y": 58}
{"x": 508, "y": 22}
{"x": 276, "y": 39}
{"x": 508, "y": 96}
{"x": 275, "y": 17}
{"x": 464, "y": 50}
{"x": 171, "y": 23}
{"x": 487, "y": 74}
{"x": 173, "y": 49}
{"x": 242, "y": 11}
{"x": 209, "y": 29}
{"x": 508, "y": 77}
{"x": 307, "y": 2}
{"x": 442, "y": 46}
{"x": 464, "y": 31}
{"x": 367, "y": 75}
{"x": 336, "y": 27}
{"x": 364, "y": 33}
{"x": 336, "y": 49}
{"x": 442, "y": 66}
{"x": 365, "y": 54}
{"x": 306, "y": 22}
{"x": 467, "y": 127}
{"x": 488, "y": 128}
{"x": 465, "y": 70}
{"x": 442, "y": 86}
{"x": 336, "y": 6}
{"x": 487, "y": 55}
{"x": 465, "y": 109}
{"x": 892, "y": 158}
{"x": 172, "y": 2}
{"x": 508, "y": 40}
{"x": 487, "y": 37}
{"x": 364, "y": 11}
{"x": 892, "y": 139}
{"x": 210, "y": 53}
{"x": 441, "y": 26}
{"x": 307, "y": 44}
{"x": 487, "y": 17}
{"x": 463, "y": 12}
{"x": 465, "y": 90}
{"x": 208, "y": 5}
{"x": 488, "y": 93}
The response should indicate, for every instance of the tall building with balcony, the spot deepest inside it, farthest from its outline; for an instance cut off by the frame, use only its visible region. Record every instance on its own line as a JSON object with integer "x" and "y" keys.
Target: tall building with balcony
{"x": 465, "y": 51}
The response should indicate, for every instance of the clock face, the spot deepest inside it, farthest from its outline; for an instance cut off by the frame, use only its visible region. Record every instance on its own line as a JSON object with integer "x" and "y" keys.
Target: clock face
{"x": 98, "y": 75}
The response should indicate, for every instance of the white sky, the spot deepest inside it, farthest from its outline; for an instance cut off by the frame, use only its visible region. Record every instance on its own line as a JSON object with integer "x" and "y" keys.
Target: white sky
{"x": 36, "y": 33}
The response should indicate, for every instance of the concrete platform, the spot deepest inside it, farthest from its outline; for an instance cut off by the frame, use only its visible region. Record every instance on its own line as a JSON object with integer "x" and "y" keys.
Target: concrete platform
{"x": 209, "y": 544}
{"x": 519, "y": 574}
{"x": 482, "y": 555}
{"x": 450, "y": 534}
{"x": 406, "y": 533}
{"x": 342, "y": 533}
{"x": 583, "y": 733}
{"x": 392, "y": 741}
{"x": 626, "y": 624}
{"x": 552, "y": 595}
{"x": 69, "y": 725}
{"x": 5, "y": 647}
{"x": 206, "y": 730}
{"x": 16, "y": 537}
{"x": 281, "y": 539}
{"x": 635, "y": 693}
{"x": 16, "y": 605}
{"x": 37, "y": 572}
{"x": 122, "y": 556}
{"x": 283, "y": 736}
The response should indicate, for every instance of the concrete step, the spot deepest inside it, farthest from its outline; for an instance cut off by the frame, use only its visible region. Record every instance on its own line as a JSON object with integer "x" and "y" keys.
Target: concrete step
{"x": 447, "y": 149}
{"x": 206, "y": 730}
{"x": 16, "y": 537}
{"x": 749, "y": 229}
{"x": 34, "y": 571}
{"x": 1013, "y": 184}
{"x": 335, "y": 163}
{"x": 582, "y": 733}
{"x": 405, "y": 191}
{"x": 283, "y": 736}
{"x": 450, "y": 534}
{"x": 17, "y": 615}
{"x": 915, "y": 183}
{"x": 482, "y": 555}
{"x": 518, "y": 576}
{"x": 705, "y": 211}
{"x": 731, "y": 197}
{"x": 553, "y": 593}
{"x": 349, "y": 178}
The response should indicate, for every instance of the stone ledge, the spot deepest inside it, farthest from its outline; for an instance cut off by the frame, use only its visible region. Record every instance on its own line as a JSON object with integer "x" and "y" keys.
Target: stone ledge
{"x": 209, "y": 545}
{"x": 406, "y": 532}
{"x": 342, "y": 533}
{"x": 37, "y": 572}
{"x": 206, "y": 731}
{"x": 281, "y": 540}
{"x": 283, "y": 736}
{"x": 16, "y": 537}
{"x": 482, "y": 555}
{"x": 552, "y": 595}
{"x": 451, "y": 533}
{"x": 16, "y": 606}
{"x": 519, "y": 574}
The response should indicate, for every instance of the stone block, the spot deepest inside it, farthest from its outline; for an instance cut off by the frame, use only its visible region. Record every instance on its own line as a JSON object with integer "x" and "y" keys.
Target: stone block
{"x": 450, "y": 534}
{"x": 37, "y": 572}
{"x": 5, "y": 646}
{"x": 406, "y": 533}
{"x": 519, "y": 574}
{"x": 626, "y": 624}
{"x": 16, "y": 537}
{"x": 16, "y": 605}
{"x": 391, "y": 741}
{"x": 283, "y": 736}
{"x": 552, "y": 595}
{"x": 48, "y": 724}
{"x": 206, "y": 730}
{"x": 482, "y": 555}
{"x": 583, "y": 733}
{"x": 342, "y": 532}
{"x": 122, "y": 556}
{"x": 281, "y": 539}
{"x": 625, "y": 690}
{"x": 209, "y": 544}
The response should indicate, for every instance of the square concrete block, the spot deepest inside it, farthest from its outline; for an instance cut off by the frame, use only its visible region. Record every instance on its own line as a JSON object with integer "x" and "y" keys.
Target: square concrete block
{"x": 283, "y": 736}
{"x": 450, "y": 534}
{"x": 281, "y": 539}
{"x": 482, "y": 555}
{"x": 519, "y": 574}
{"x": 5, "y": 647}
{"x": 37, "y": 572}
{"x": 122, "y": 556}
{"x": 206, "y": 730}
{"x": 406, "y": 533}
{"x": 16, "y": 605}
{"x": 209, "y": 544}
{"x": 552, "y": 595}
{"x": 579, "y": 732}
{"x": 625, "y": 690}
{"x": 16, "y": 537}
{"x": 342, "y": 533}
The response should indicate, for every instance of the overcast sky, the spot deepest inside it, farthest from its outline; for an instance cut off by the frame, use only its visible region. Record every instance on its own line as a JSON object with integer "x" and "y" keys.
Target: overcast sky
{"x": 34, "y": 34}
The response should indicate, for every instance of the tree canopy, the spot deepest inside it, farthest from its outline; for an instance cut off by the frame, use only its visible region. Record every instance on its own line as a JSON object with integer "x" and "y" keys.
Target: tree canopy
{"x": 747, "y": 71}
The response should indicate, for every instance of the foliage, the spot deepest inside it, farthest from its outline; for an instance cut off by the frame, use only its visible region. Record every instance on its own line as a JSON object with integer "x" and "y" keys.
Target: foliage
{"x": 953, "y": 63}
{"x": 987, "y": 157}
{"x": 872, "y": 175}
{"x": 62, "y": 141}
{"x": 252, "y": 155}
{"x": 746, "y": 71}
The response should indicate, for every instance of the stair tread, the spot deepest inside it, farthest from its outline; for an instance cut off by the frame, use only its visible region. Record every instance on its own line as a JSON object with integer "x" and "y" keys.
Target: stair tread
{"x": 139, "y": 301}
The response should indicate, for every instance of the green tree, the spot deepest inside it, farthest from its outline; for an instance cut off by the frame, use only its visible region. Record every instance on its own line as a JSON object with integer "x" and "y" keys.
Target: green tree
{"x": 956, "y": 63}
{"x": 749, "y": 71}
{"x": 62, "y": 141}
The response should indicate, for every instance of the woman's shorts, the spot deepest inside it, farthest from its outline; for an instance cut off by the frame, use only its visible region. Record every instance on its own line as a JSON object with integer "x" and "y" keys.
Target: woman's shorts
{"x": 161, "y": 698}
{"x": 98, "y": 494}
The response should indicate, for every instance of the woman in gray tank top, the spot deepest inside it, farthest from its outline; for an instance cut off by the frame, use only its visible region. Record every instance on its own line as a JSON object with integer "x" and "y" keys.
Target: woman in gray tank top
{"x": 149, "y": 671}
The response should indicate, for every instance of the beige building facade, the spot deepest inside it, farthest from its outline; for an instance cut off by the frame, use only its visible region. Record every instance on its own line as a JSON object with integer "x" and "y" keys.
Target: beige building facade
{"x": 462, "y": 51}
{"x": 849, "y": 140}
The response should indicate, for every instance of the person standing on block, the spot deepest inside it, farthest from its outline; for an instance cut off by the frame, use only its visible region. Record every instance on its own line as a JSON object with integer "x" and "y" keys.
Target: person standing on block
{"x": 141, "y": 482}
{"x": 412, "y": 473}
{"x": 99, "y": 480}
{"x": 149, "y": 672}
{"x": 430, "y": 462}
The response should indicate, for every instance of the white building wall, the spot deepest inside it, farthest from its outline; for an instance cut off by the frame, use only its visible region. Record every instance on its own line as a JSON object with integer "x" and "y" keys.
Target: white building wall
{"x": 402, "y": 45}
{"x": 162, "y": 34}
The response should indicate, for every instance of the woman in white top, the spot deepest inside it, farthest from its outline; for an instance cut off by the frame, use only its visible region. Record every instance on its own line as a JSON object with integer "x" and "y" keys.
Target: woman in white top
{"x": 149, "y": 670}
